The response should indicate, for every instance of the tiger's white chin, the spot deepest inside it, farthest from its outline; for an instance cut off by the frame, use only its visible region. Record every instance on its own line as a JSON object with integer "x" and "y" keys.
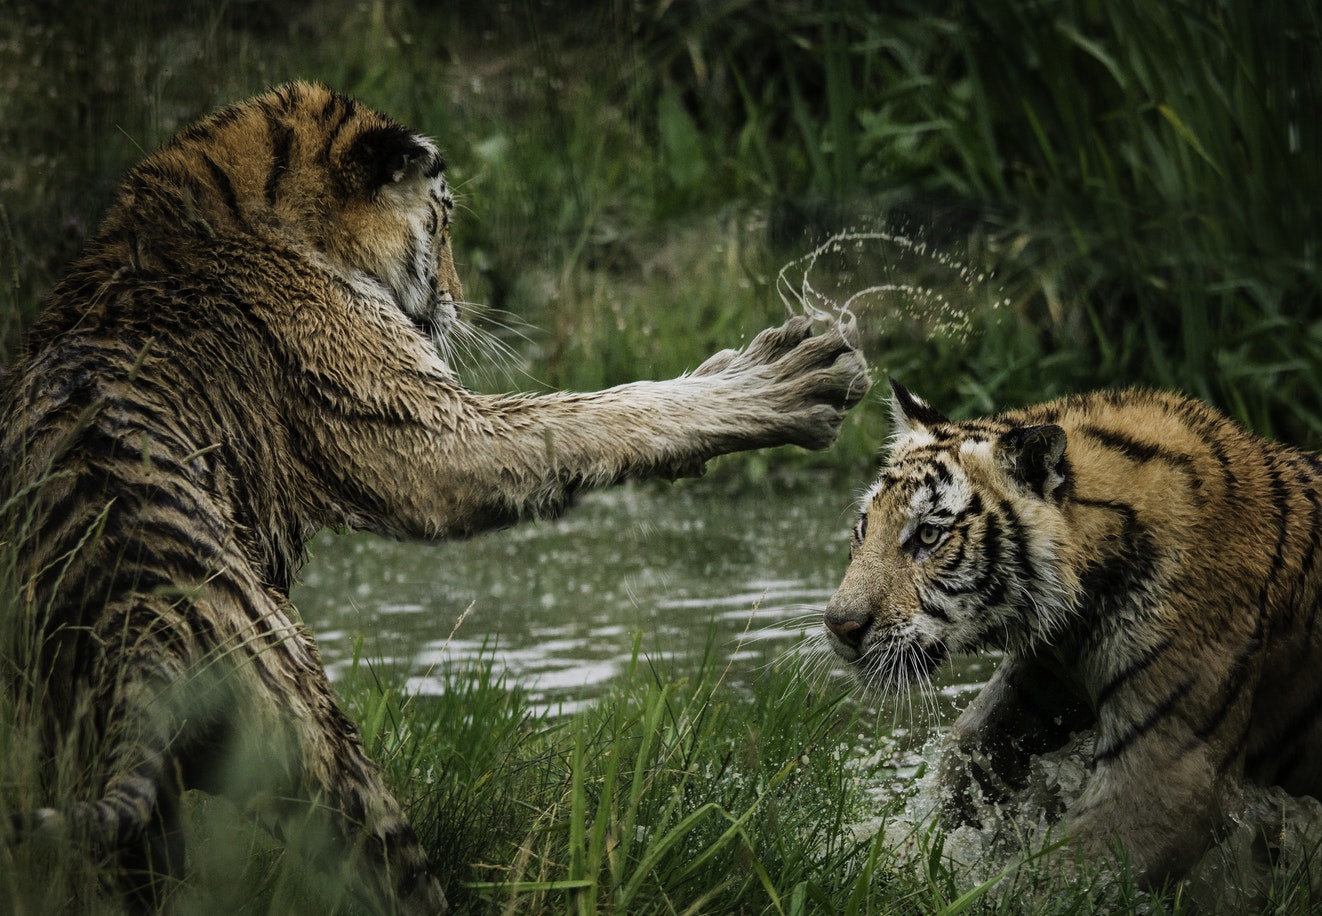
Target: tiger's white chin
{"x": 439, "y": 320}
{"x": 888, "y": 666}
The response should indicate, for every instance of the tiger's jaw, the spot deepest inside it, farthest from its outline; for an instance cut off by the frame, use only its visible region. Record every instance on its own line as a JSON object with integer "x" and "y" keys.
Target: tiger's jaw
{"x": 437, "y": 320}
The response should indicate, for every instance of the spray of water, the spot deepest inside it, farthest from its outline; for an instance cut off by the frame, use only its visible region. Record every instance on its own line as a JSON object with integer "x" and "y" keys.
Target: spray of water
{"x": 890, "y": 278}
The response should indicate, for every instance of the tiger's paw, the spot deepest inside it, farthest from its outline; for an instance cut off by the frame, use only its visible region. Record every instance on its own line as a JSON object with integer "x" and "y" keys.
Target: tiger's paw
{"x": 804, "y": 382}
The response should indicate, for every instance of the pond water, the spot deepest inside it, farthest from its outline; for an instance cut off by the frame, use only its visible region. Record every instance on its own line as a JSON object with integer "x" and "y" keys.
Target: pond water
{"x": 680, "y": 570}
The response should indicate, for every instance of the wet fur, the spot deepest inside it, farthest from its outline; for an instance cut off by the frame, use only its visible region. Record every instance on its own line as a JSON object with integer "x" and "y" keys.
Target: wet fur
{"x": 246, "y": 353}
{"x": 1150, "y": 569}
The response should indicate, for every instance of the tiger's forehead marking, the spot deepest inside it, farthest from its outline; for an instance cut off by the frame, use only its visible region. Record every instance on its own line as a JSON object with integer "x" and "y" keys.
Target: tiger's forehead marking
{"x": 928, "y": 478}
{"x": 946, "y": 496}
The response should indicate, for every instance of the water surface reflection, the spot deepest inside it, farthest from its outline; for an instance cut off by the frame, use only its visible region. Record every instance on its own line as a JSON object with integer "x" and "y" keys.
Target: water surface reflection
{"x": 560, "y": 604}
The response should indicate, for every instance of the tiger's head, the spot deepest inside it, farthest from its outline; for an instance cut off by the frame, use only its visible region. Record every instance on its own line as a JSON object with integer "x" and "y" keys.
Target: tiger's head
{"x": 306, "y": 172}
{"x": 957, "y": 546}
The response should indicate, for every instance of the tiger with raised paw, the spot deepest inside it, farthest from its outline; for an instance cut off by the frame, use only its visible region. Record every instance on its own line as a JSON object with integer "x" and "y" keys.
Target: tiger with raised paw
{"x": 251, "y": 349}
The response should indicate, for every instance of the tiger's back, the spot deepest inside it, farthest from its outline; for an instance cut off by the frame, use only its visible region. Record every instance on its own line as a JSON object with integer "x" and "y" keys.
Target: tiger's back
{"x": 1150, "y": 569}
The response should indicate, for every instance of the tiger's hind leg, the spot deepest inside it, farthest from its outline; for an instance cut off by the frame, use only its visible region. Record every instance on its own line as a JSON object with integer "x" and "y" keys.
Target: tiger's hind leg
{"x": 136, "y": 817}
{"x": 152, "y": 870}
{"x": 333, "y": 805}
{"x": 142, "y": 806}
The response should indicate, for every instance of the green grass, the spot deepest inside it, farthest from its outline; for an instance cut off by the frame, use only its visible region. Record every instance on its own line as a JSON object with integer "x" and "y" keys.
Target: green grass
{"x": 675, "y": 794}
{"x": 670, "y": 794}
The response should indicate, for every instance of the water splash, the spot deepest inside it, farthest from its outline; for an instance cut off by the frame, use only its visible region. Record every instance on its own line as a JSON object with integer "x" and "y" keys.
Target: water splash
{"x": 1265, "y": 833}
{"x": 892, "y": 277}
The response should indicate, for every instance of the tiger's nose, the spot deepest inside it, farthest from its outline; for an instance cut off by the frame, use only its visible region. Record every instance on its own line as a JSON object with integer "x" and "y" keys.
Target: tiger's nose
{"x": 849, "y": 629}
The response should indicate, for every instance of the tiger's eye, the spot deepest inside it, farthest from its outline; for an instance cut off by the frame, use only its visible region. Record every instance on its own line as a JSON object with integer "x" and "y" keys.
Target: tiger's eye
{"x": 928, "y": 535}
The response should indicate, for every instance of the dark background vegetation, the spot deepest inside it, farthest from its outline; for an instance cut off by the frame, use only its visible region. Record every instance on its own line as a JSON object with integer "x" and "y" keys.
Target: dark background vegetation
{"x": 1141, "y": 179}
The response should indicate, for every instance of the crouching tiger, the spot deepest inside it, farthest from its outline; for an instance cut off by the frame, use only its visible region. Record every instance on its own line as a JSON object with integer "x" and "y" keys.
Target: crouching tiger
{"x": 1150, "y": 570}
{"x": 251, "y": 349}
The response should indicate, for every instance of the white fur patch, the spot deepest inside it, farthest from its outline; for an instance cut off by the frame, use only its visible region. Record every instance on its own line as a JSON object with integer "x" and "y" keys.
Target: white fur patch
{"x": 941, "y": 502}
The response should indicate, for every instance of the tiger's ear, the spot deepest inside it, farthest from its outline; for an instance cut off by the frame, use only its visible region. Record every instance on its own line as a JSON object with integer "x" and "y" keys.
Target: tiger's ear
{"x": 910, "y": 413}
{"x": 1036, "y": 455}
{"x": 387, "y": 155}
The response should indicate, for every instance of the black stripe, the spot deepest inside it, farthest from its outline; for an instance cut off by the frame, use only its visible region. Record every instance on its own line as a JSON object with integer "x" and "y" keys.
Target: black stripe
{"x": 290, "y": 96}
{"x": 1281, "y": 502}
{"x": 994, "y": 584}
{"x": 129, "y": 819}
{"x": 974, "y": 507}
{"x": 225, "y": 587}
{"x": 140, "y": 442}
{"x": 419, "y": 268}
{"x": 1113, "y": 583}
{"x": 959, "y": 562}
{"x": 168, "y": 532}
{"x": 1235, "y": 677}
{"x": 1239, "y": 669}
{"x": 955, "y": 561}
{"x": 932, "y": 610}
{"x": 174, "y": 565}
{"x": 333, "y": 102}
{"x": 203, "y": 130}
{"x": 332, "y": 399}
{"x": 1134, "y": 449}
{"x": 1145, "y": 725}
{"x": 1235, "y": 749}
{"x": 1303, "y": 586}
{"x": 1308, "y": 481}
{"x": 282, "y": 141}
{"x": 225, "y": 186}
{"x": 1018, "y": 538}
{"x": 1229, "y": 479}
{"x": 1149, "y": 656}
{"x": 938, "y": 476}
{"x": 343, "y": 109}
{"x": 119, "y": 582}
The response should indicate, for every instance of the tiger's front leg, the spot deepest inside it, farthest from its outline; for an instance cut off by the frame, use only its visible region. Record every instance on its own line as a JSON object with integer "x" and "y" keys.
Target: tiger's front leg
{"x": 1022, "y": 711}
{"x": 446, "y": 462}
